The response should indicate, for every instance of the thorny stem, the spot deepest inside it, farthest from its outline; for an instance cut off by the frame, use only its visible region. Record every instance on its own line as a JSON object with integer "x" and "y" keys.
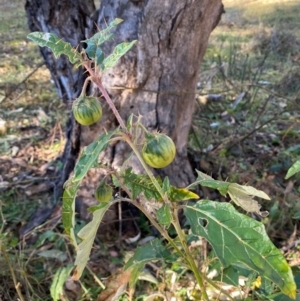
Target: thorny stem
{"x": 189, "y": 257}
{"x": 97, "y": 81}
{"x": 186, "y": 255}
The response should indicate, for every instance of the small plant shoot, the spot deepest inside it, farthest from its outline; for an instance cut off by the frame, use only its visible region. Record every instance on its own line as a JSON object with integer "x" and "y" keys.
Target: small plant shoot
{"x": 238, "y": 241}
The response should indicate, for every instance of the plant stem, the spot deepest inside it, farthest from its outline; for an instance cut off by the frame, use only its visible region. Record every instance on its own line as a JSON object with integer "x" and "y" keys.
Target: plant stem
{"x": 161, "y": 230}
{"x": 98, "y": 82}
{"x": 211, "y": 282}
{"x": 83, "y": 91}
{"x": 189, "y": 257}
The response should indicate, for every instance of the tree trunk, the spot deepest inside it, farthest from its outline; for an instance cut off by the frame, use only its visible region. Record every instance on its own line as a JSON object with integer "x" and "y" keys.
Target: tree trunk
{"x": 70, "y": 20}
{"x": 156, "y": 79}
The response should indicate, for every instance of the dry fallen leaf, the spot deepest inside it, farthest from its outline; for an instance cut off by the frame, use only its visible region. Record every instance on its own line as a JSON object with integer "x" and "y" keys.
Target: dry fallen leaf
{"x": 115, "y": 287}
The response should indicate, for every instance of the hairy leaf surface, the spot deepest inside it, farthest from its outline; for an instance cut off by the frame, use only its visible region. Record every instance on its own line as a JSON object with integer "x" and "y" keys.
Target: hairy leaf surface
{"x": 57, "y": 45}
{"x": 141, "y": 184}
{"x": 237, "y": 238}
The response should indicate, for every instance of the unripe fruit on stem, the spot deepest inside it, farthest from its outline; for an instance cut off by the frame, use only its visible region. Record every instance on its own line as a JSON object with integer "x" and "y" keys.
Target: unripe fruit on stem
{"x": 159, "y": 150}
{"x": 103, "y": 192}
{"x": 87, "y": 110}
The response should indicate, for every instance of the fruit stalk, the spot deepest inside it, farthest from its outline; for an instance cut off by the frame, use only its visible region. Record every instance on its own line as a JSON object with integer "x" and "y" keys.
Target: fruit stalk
{"x": 97, "y": 81}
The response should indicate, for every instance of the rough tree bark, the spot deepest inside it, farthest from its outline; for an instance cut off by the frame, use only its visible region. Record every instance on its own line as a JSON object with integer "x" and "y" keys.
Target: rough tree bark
{"x": 156, "y": 79}
{"x": 70, "y": 20}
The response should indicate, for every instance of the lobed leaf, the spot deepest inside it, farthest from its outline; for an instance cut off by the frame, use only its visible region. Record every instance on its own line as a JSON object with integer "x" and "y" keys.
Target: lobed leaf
{"x": 140, "y": 184}
{"x": 117, "y": 53}
{"x": 87, "y": 234}
{"x": 57, "y": 45}
{"x": 166, "y": 186}
{"x": 87, "y": 160}
{"x": 238, "y": 239}
{"x": 293, "y": 169}
{"x": 90, "y": 155}
{"x": 93, "y": 49}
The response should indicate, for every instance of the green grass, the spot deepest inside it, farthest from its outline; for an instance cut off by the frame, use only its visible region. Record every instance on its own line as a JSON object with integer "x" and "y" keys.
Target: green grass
{"x": 254, "y": 51}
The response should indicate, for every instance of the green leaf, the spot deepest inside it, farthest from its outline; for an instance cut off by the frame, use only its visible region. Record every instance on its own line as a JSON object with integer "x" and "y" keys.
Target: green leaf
{"x": 282, "y": 297}
{"x": 87, "y": 160}
{"x": 57, "y": 45}
{"x": 68, "y": 208}
{"x": 181, "y": 194}
{"x": 154, "y": 250}
{"x": 115, "y": 181}
{"x": 166, "y": 187}
{"x": 207, "y": 181}
{"x": 90, "y": 155}
{"x": 293, "y": 169}
{"x": 59, "y": 279}
{"x": 135, "y": 272}
{"x": 94, "y": 208}
{"x": 87, "y": 234}
{"x": 229, "y": 275}
{"x": 118, "y": 52}
{"x": 243, "y": 195}
{"x": 238, "y": 239}
{"x": 164, "y": 215}
{"x": 93, "y": 49}
{"x": 141, "y": 184}
{"x": 104, "y": 34}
